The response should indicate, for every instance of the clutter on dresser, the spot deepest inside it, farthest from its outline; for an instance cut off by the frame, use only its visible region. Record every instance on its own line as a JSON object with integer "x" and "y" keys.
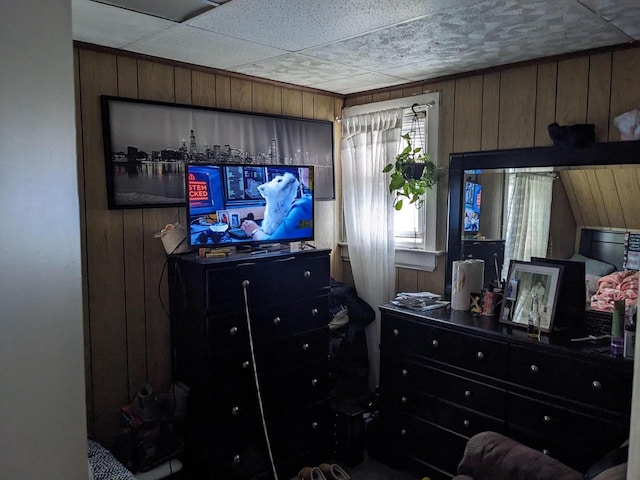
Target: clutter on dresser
{"x": 419, "y": 301}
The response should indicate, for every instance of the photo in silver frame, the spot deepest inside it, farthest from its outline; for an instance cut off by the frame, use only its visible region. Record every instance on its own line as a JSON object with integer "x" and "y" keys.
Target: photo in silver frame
{"x": 541, "y": 280}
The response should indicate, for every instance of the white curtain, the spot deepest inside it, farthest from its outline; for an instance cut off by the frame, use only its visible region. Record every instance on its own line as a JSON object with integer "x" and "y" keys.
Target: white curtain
{"x": 369, "y": 142}
{"x": 528, "y": 217}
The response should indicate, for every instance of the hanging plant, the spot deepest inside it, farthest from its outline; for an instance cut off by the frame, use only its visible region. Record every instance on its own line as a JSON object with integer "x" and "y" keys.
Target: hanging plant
{"x": 411, "y": 174}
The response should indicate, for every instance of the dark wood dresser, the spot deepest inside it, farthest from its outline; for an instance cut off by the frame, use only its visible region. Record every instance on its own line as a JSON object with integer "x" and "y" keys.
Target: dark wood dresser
{"x": 286, "y": 298}
{"x": 447, "y": 375}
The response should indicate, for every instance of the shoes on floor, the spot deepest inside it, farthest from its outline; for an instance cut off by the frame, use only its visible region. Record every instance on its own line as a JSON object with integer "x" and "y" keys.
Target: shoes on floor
{"x": 333, "y": 471}
{"x": 311, "y": 473}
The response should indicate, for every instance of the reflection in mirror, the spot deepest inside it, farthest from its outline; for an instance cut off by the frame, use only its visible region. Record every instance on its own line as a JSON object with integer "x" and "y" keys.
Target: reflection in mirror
{"x": 535, "y": 201}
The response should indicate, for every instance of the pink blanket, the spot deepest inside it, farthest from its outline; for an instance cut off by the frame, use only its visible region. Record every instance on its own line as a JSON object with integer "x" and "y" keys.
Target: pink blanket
{"x": 616, "y": 286}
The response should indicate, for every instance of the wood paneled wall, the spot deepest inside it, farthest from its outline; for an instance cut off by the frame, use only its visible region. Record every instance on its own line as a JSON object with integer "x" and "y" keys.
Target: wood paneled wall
{"x": 511, "y": 108}
{"x": 125, "y": 284}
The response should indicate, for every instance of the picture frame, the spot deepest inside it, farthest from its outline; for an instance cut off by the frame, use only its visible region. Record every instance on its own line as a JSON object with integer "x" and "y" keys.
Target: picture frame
{"x": 223, "y": 217}
{"x": 235, "y": 220}
{"x": 148, "y": 143}
{"x": 525, "y": 278}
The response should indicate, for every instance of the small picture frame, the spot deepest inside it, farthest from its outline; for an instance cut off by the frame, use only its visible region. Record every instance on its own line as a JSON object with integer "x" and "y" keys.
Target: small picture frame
{"x": 525, "y": 279}
{"x": 235, "y": 220}
{"x": 223, "y": 216}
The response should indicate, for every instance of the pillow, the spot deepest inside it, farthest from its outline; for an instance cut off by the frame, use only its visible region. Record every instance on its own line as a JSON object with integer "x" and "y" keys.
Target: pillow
{"x": 593, "y": 266}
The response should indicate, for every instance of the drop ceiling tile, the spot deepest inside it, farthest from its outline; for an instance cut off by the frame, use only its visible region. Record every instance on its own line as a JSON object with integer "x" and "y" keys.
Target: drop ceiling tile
{"x": 297, "y": 69}
{"x": 498, "y": 31}
{"x": 200, "y": 47}
{"x": 624, "y": 14}
{"x": 300, "y": 24}
{"x": 359, "y": 83}
{"x": 111, "y": 26}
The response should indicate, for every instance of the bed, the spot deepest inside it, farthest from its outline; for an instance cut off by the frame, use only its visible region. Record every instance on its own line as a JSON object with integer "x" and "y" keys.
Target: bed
{"x": 605, "y": 276}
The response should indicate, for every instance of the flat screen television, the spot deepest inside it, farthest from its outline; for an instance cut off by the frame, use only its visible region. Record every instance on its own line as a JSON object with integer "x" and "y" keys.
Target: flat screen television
{"x": 230, "y": 204}
{"x": 472, "y": 203}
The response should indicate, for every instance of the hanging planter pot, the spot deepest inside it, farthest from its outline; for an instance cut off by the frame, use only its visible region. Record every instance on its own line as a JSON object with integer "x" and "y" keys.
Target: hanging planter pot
{"x": 412, "y": 170}
{"x": 411, "y": 175}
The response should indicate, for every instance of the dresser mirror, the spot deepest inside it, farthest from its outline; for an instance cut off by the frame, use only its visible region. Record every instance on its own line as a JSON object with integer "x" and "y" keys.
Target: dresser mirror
{"x": 596, "y": 187}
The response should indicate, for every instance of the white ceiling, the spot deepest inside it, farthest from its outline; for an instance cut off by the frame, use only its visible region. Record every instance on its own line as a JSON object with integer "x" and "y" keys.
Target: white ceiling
{"x": 349, "y": 46}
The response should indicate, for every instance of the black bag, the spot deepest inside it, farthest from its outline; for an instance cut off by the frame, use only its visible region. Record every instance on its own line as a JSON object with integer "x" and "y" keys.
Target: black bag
{"x": 360, "y": 311}
{"x": 572, "y": 136}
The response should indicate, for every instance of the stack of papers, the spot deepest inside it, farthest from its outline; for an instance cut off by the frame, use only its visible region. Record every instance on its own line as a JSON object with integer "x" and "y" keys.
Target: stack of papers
{"x": 418, "y": 301}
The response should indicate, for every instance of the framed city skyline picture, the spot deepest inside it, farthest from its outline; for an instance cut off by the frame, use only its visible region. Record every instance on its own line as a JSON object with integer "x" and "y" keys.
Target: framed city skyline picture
{"x": 147, "y": 145}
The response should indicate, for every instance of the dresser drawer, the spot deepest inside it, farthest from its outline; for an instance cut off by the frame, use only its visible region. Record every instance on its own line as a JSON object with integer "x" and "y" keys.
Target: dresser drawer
{"x": 235, "y": 411}
{"x": 226, "y": 333}
{"x": 461, "y": 420}
{"x": 300, "y": 431}
{"x": 598, "y": 385}
{"x": 404, "y": 376}
{"x": 296, "y": 389}
{"x": 473, "y": 353}
{"x": 265, "y": 282}
{"x": 295, "y": 351}
{"x": 429, "y": 443}
{"x": 276, "y": 321}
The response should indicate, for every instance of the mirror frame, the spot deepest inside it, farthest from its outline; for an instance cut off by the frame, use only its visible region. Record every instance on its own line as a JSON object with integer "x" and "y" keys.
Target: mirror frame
{"x": 597, "y": 154}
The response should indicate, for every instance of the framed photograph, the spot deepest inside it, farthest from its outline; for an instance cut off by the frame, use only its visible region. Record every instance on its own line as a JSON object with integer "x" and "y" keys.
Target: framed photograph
{"x": 235, "y": 220}
{"x": 147, "y": 145}
{"x": 531, "y": 282}
{"x": 223, "y": 216}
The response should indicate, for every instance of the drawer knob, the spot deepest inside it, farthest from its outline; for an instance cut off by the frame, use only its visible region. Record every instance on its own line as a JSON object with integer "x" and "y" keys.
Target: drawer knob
{"x": 467, "y": 393}
{"x": 277, "y": 320}
{"x": 434, "y": 343}
{"x": 403, "y": 432}
{"x": 546, "y": 451}
{"x": 396, "y": 332}
{"x": 236, "y": 458}
{"x": 233, "y": 330}
{"x": 314, "y": 382}
{"x": 305, "y": 346}
{"x": 314, "y": 312}
{"x": 307, "y": 274}
{"x": 466, "y": 423}
{"x": 480, "y": 356}
{"x": 534, "y": 369}
{"x": 235, "y": 411}
{"x": 546, "y": 419}
{"x": 403, "y": 400}
{"x": 596, "y": 385}
{"x": 314, "y": 425}
{"x": 246, "y": 364}
{"x": 405, "y": 372}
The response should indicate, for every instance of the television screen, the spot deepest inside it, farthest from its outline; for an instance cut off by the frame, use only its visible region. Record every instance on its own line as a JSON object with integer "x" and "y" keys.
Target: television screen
{"x": 472, "y": 201}
{"x": 234, "y": 204}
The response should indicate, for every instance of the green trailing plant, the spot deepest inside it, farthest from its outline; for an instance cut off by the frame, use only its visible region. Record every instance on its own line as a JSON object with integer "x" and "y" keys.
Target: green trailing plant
{"x": 411, "y": 174}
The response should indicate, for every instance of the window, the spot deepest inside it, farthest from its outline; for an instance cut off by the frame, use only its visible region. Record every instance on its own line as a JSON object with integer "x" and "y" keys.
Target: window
{"x": 415, "y": 229}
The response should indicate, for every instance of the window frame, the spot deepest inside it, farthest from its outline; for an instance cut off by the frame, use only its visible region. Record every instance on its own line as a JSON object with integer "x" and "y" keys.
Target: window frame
{"x": 409, "y": 253}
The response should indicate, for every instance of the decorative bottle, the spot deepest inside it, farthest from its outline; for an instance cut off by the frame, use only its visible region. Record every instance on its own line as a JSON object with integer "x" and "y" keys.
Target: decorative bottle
{"x": 629, "y": 332}
{"x": 617, "y": 328}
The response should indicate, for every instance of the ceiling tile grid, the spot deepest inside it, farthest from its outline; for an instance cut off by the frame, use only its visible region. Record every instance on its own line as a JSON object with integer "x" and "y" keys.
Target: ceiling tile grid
{"x": 201, "y": 47}
{"x": 348, "y": 46}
